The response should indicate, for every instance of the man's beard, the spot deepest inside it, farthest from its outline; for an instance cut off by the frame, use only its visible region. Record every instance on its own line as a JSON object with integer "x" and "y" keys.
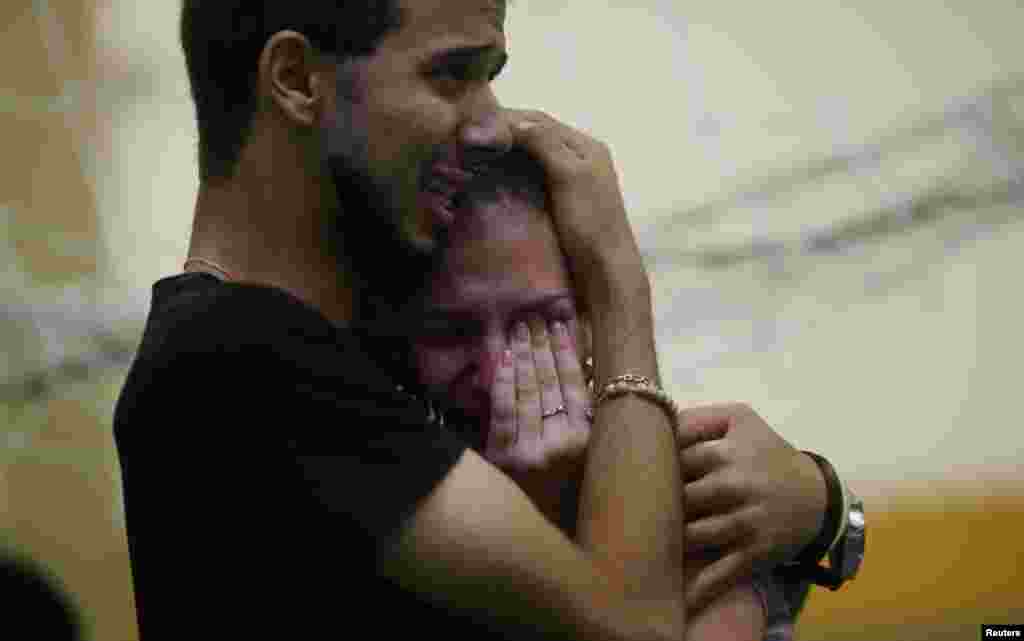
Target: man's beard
{"x": 365, "y": 236}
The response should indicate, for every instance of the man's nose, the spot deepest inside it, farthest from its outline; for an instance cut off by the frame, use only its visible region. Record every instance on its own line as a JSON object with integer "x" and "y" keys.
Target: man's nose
{"x": 484, "y": 133}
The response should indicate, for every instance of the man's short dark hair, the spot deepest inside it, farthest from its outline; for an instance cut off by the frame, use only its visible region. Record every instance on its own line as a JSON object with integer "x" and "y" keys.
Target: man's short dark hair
{"x": 223, "y": 39}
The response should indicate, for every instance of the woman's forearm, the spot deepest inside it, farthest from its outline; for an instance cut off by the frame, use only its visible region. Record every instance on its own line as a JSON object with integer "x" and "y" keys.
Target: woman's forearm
{"x": 631, "y": 500}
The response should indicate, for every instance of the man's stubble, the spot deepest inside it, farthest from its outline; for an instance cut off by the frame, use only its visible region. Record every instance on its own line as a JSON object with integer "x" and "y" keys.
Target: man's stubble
{"x": 364, "y": 233}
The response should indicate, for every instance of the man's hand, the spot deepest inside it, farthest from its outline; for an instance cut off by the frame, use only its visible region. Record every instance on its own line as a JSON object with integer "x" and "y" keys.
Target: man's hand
{"x": 737, "y": 615}
{"x": 752, "y": 500}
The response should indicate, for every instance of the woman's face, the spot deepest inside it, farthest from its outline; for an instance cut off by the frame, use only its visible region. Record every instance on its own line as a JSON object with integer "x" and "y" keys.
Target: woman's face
{"x": 503, "y": 265}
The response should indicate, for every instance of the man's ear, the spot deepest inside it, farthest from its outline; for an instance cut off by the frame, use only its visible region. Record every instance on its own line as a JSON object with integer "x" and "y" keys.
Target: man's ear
{"x": 292, "y": 77}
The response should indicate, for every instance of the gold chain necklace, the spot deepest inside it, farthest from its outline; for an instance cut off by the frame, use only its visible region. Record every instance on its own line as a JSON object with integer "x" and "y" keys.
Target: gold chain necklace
{"x": 208, "y": 263}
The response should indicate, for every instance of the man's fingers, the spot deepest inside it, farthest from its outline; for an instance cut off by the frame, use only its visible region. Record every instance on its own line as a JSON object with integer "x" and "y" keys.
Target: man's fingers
{"x": 716, "y": 419}
{"x": 717, "y": 578}
{"x": 701, "y": 459}
{"x": 719, "y": 531}
{"x": 710, "y": 422}
{"x": 716, "y": 412}
{"x": 709, "y": 495}
{"x": 707, "y": 422}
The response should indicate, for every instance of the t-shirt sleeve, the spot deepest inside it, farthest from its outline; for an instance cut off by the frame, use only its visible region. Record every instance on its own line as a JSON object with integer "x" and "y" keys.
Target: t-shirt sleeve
{"x": 357, "y": 454}
{"x": 375, "y": 469}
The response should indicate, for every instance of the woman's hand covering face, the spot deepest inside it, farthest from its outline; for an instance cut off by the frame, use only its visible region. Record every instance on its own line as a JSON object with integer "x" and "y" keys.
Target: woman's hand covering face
{"x": 539, "y": 425}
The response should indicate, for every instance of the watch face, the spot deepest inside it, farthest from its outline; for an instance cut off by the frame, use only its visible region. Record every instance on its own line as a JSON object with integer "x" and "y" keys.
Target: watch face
{"x": 854, "y": 540}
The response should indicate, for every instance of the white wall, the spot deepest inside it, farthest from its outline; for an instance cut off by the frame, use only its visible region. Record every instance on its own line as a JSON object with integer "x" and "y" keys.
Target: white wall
{"x": 896, "y": 356}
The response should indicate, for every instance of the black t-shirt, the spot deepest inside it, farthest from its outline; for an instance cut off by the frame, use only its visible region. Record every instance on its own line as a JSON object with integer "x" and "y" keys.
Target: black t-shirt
{"x": 266, "y": 456}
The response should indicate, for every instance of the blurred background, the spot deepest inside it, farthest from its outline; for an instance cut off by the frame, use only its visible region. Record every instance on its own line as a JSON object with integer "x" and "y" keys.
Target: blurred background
{"x": 830, "y": 196}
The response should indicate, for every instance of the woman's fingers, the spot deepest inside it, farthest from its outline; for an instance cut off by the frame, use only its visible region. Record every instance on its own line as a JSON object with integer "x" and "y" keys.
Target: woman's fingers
{"x": 528, "y": 401}
{"x": 553, "y": 415}
{"x": 502, "y": 430}
{"x": 574, "y": 387}
{"x": 540, "y": 419}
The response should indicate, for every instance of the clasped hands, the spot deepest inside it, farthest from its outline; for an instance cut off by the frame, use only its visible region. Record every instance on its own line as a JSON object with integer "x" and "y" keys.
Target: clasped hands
{"x": 752, "y": 500}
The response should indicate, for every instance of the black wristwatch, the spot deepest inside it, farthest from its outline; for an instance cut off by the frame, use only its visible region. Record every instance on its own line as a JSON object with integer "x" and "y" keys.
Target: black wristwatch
{"x": 841, "y": 539}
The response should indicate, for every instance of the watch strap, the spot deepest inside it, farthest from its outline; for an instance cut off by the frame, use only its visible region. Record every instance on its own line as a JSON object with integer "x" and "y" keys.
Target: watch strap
{"x": 835, "y": 516}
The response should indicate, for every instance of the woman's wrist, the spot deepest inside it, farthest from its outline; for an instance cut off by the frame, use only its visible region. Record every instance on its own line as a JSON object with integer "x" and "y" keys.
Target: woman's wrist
{"x": 611, "y": 283}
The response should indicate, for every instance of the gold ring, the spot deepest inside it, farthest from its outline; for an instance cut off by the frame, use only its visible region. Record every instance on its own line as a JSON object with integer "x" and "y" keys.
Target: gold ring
{"x": 555, "y": 412}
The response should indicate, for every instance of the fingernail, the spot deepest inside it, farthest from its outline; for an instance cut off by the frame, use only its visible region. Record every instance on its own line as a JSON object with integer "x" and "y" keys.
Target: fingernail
{"x": 525, "y": 125}
{"x": 506, "y": 358}
{"x": 522, "y": 331}
{"x": 558, "y": 333}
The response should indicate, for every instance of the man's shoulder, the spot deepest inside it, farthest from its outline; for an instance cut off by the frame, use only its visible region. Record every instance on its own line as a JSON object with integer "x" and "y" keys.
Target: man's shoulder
{"x": 199, "y": 308}
{"x": 195, "y": 317}
{"x": 203, "y": 333}
{"x": 230, "y": 340}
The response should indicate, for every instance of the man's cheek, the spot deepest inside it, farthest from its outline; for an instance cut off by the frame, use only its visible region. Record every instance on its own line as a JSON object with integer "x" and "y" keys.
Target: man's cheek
{"x": 423, "y": 363}
{"x": 423, "y": 116}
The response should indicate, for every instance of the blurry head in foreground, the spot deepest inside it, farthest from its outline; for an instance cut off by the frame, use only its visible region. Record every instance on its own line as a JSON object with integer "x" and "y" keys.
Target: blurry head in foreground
{"x": 34, "y": 604}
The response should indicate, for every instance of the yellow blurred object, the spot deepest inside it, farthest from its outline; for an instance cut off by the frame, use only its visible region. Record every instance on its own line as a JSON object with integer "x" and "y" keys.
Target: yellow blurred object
{"x": 936, "y": 564}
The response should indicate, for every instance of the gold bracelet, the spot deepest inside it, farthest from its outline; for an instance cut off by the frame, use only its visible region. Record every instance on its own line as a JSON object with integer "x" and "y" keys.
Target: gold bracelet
{"x": 643, "y": 387}
{"x": 631, "y": 378}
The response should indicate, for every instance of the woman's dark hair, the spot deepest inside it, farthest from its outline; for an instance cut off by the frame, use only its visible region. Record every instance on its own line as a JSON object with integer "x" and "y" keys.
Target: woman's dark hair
{"x": 223, "y": 39}
{"x": 515, "y": 173}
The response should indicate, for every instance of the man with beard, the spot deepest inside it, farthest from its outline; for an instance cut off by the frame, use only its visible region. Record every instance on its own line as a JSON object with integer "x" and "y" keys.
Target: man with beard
{"x": 277, "y": 480}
